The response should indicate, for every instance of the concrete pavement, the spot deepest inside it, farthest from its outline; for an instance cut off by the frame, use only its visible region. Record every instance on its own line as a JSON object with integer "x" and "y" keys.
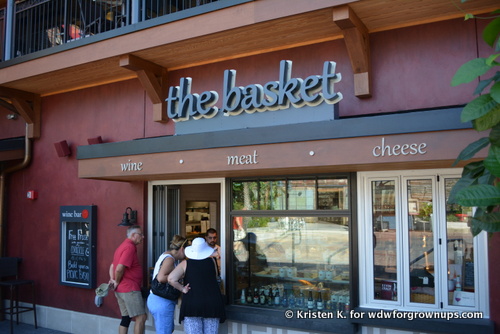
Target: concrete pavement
{"x": 25, "y": 329}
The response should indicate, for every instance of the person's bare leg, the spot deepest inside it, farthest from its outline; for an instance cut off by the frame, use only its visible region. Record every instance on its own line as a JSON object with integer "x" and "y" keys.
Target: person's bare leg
{"x": 140, "y": 324}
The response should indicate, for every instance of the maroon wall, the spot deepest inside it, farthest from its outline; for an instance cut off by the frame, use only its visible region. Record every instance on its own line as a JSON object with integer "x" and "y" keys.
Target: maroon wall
{"x": 33, "y": 225}
{"x": 412, "y": 68}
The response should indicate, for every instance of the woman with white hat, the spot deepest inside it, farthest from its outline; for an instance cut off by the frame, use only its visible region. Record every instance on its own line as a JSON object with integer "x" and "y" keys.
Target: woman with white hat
{"x": 202, "y": 307}
{"x": 161, "y": 308}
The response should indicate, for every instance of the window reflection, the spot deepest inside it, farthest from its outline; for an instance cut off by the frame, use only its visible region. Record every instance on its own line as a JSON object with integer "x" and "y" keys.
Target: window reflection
{"x": 460, "y": 252}
{"x": 421, "y": 240}
{"x": 292, "y": 259}
{"x": 384, "y": 240}
{"x": 291, "y": 194}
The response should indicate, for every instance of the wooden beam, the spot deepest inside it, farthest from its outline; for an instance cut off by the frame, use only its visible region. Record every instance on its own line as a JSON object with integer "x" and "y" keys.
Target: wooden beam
{"x": 154, "y": 80}
{"x": 28, "y": 106}
{"x": 357, "y": 40}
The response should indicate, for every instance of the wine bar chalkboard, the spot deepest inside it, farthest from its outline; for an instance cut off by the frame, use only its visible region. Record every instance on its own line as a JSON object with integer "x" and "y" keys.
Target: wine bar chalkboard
{"x": 78, "y": 245}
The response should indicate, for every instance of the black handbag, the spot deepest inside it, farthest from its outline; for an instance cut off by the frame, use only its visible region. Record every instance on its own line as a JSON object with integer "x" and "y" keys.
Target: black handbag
{"x": 164, "y": 290}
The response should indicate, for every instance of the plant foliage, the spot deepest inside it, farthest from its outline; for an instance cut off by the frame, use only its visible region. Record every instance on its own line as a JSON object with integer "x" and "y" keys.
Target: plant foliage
{"x": 479, "y": 185}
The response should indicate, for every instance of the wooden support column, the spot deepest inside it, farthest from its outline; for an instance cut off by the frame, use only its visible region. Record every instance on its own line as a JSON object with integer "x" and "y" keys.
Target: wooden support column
{"x": 27, "y": 105}
{"x": 356, "y": 38}
{"x": 153, "y": 78}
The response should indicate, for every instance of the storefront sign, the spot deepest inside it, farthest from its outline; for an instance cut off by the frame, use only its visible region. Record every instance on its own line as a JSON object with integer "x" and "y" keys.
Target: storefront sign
{"x": 130, "y": 166}
{"x": 249, "y": 159}
{"x": 398, "y": 149}
{"x": 274, "y": 95}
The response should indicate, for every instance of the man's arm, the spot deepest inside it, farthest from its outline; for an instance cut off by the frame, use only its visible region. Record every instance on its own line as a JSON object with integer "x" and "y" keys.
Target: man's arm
{"x": 120, "y": 269}
{"x": 116, "y": 275}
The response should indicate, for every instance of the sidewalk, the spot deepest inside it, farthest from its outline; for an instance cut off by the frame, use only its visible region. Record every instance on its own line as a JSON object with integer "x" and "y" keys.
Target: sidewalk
{"x": 25, "y": 329}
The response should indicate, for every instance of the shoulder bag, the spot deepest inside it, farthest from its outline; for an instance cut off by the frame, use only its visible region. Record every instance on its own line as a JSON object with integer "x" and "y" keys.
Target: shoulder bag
{"x": 164, "y": 290}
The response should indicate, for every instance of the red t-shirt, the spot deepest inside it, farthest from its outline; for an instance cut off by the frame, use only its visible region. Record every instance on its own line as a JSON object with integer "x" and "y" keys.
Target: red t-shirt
{"x": 126, "y": 254}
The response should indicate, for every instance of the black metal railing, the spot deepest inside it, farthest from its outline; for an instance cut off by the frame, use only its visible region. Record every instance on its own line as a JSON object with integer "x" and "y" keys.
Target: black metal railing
{"x": 43, "y": 24}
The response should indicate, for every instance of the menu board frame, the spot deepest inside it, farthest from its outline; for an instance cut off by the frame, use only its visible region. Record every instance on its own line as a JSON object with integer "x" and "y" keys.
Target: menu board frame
{"x": 78, "y": 245}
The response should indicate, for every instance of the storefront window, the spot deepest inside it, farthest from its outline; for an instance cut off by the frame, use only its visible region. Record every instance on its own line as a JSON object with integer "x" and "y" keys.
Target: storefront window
{"x": 421, "y": 240}
{"x": 302, "y": 195}
{"x": 298, "y": 261}
{"x": 291, "y": 194}
{"x": 419, "y": 250}
{"x": 384, "y": 238}
{"x": 460, "y": 252}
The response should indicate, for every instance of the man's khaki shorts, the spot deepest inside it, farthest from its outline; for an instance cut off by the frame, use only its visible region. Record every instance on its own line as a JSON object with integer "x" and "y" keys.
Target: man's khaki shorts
{"x": 131, "y": 303}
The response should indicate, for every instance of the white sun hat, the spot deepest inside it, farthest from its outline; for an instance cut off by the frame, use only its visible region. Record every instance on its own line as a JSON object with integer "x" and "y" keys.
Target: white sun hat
{"x": 198, "y": 250}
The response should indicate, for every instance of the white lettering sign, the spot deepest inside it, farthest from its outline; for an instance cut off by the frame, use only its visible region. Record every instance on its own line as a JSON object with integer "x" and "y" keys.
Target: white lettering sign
{"x": 131, "y": 166}
{"x": 395, "y": 150}
{"x": 249, "y": 159}
{"x": 183, "y": 105}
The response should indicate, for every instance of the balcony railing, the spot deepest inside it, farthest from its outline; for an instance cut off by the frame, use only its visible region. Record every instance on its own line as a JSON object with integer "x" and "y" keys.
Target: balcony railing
{"x": 43, "y": 24}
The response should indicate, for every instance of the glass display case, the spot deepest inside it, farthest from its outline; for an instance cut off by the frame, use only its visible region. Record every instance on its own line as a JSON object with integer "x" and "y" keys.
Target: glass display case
{"x": 292, "y": 261}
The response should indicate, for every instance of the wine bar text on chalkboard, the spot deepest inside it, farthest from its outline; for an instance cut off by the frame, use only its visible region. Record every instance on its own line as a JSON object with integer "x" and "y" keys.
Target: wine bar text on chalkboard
{"x": 78, "y": 245}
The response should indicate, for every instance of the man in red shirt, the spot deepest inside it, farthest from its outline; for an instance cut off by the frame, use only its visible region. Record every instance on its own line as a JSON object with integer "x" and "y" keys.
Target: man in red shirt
{"x": 125, "y": 275}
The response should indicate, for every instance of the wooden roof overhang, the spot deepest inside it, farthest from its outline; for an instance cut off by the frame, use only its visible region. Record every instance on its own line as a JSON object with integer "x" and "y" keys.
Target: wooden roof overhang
{"x": 250, "y": 28}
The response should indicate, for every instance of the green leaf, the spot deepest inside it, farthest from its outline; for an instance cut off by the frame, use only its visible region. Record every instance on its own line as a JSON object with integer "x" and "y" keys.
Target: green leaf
{"x": 489, "y": 222}
{"x": 495, "y": 135}
{"x": 468, "y": 152}
{"x": 489, "y": 120}
{"x": 492, "y": 161}
{"x": 490, "y": 61}
{"x": 478, "y": 195}
{"x": 486, "y": 178}
{"x": 468, "y": 16}
{"x": 473, "y": 170}
{"x": 476, "y": 108}
{"x": 495, "y": 92}
{"x": 462, "y": 183}
{"x": 470, "y": 71}
{"x": 482, "y": 85}
{"x": 491, "y": 32}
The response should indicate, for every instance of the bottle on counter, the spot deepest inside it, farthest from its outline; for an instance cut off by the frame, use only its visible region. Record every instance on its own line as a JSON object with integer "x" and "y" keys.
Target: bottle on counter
{"x": 310, "y": 301}
{"x": 255, "y": 296}
{"x": 300, "y": 301}
{"x": 319, "y": 303}
{"x": 249, "y": 296}
{"x": 270, "y": 297}
{"x": 243, "y": 298}
{"x": 284, "y": 299}
{"x": 277, "y": 299}
{"x": 262, "y": 298}
{"x": 458, "y": 285}
{"x": 291, "y": 300}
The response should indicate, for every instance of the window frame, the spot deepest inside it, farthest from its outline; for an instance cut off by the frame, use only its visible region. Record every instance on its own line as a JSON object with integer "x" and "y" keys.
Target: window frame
{"x": 366, "y": 289}
{"x": 272, "y": 317}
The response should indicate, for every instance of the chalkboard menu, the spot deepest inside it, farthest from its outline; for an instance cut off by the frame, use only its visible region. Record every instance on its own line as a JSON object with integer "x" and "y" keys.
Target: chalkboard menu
{"x": 78, "y": 240}
{"x": 469, "y": 274}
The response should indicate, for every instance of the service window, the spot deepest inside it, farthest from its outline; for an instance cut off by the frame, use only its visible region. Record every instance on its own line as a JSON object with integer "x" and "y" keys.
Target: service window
{"x": 291, "y": 242}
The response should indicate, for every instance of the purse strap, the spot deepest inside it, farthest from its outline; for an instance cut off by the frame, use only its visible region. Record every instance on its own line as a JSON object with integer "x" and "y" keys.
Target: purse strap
{"x": 166, "y": 255}
{"x": 217, "y": 273}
